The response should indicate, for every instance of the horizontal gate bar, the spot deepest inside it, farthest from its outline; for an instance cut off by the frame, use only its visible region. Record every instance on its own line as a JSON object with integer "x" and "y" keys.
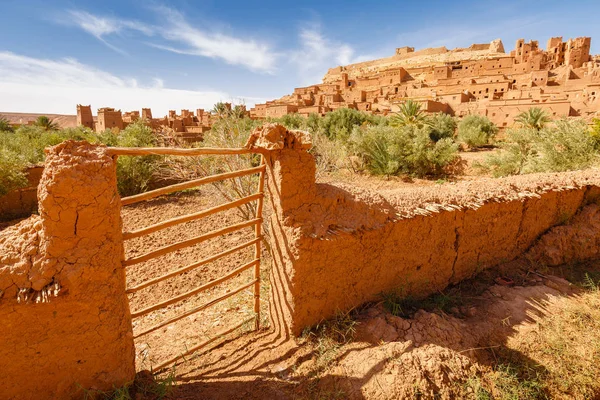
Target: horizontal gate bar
{"x": 190, "y": 242}
{"x": 195, "y": 310}
{"x": 189, "y": 184}
{"x": 195, "y": 291}
{"x": 192, "y": 266}
{"x": 173, "y": 151}
{"x": 190, "y": 217}
{"x": 161, "y": 366}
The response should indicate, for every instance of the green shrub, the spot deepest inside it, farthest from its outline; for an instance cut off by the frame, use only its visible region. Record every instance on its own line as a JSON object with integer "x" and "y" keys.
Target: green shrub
{"x": 338, "y": 124}
{"x": 516, "y": 153}
{"x": 313, "y": 122}
{"x": 410, "y": 114}
{"x": 409, "y": 150}
{"x": 329, "y": 154}
{"x": 12, "y": 175}
{"x": 595, "y": 132}
{"x": 134, "y": 173}
{"x": 5, "y": 125}
{"x": 565, "y": 146}
{"x": 442, "y": 126}
{"x": 476, "y": 131}
{"x": 291, "y": 121}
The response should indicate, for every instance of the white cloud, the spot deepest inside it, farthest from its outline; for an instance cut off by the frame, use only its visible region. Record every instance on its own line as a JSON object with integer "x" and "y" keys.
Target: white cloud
{"x": 252, "y": 54}
{"x": 55, "y": 86}
{"x": 317, "y": 54}
{"x": 99, "y": 27}
{"x": 178, "y": 36}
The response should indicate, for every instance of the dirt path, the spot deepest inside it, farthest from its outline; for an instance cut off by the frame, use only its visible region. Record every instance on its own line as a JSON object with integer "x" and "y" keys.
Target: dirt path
{"x": 175, "y": 338}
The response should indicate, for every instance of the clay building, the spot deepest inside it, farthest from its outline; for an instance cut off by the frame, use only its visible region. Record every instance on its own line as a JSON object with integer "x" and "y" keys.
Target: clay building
{"x": 109, "y": 118}
{"x": 563, "y": 79}
{"x": 84, "y": 116}
{"x": 187, "y": 126}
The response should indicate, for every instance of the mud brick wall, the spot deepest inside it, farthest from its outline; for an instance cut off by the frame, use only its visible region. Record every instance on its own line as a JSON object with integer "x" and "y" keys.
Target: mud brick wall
{"x": 66, "y": 323}
{"x": 336, "y": 247}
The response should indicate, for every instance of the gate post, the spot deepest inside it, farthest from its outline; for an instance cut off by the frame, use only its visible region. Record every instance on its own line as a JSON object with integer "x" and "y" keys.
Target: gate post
{"x": 290, "y": 170}
{"x": 66, "y": 324}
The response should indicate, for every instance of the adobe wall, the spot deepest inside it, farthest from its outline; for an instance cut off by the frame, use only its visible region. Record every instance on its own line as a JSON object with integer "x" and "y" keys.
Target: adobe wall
{"x": 336, "y": 247}
{"x": 66, "y": 323}
{"x": 23, "y": 201}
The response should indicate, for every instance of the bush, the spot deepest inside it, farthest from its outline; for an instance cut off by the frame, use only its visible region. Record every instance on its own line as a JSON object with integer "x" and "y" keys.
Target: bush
{"x": 476, "y": 131}
{"x": 595, "y": 132}
{"x": 12, "y": 175}
{"x": 409, "y": 150}
{"x": 338, "y": 124}
{"x": 291, "y": 121}
{"x": 516, "y": 154}
{"x": 442, "y": 126}
{"x": 565, "y": 146}
{"x": 329, "y": 154}
{"x": 5, "y": 125}
{"x": 134, "y": 173}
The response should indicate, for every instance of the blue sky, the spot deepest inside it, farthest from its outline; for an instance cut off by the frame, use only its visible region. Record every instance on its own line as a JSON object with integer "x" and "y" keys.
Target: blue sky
{"x": 178, "y": 54}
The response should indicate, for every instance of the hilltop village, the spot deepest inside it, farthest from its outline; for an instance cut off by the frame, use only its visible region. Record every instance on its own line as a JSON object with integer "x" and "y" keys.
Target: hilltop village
{"x": 483, "y": 79}
{"x": 563, "y": 80}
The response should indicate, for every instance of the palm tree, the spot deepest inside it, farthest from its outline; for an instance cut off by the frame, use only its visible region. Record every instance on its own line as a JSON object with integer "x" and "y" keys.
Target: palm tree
{"x": 46, "y": 123}
{"x": 410, "y": 113}
{"x": 534, "y": 118}
{"x": 222, "y": 110}
{"x": 238, "y": 111}
{"x": 5, "y": 125}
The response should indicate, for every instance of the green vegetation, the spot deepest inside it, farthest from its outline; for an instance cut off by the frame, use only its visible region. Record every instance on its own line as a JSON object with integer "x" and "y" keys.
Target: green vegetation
{"x": 534, "y": 118}
{"x": 410, "y": 114}
{"x": 476, "y": 131}
{"x": 563, "y": 146}
{"x": 25, "y": 146}
{"x": 46, "y": 123}
{"x": 134, "y": 173}
{"x": 5, "y": 125}
{"x": 12, "y": 175}
{"x": 407, "y": 150}
{"x": 442, "y": 126}
{"x": 412, "y": 143}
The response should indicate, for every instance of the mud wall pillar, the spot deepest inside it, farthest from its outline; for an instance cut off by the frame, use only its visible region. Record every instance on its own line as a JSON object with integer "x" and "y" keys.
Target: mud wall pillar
{"x": 290, "y": 184}
{"x": 66, "y": 324}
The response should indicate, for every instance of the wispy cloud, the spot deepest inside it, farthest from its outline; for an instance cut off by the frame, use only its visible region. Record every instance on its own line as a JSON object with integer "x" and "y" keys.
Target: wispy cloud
{"x": 252, "y": 54}
{"x": 176, "y": 35}
{"x": 55, "y": 86}
{"x": 317, "y": 54}
{"x": 100, "y": 27}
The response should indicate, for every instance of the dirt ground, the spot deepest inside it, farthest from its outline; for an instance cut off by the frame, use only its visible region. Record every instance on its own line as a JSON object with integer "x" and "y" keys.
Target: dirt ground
{"x": 427, "y": 353}
{"x": 174, "y": 339}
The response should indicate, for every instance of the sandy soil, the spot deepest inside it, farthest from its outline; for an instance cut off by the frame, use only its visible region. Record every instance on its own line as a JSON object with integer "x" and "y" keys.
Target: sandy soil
{"x": 390, "y": 357}
{"x": 174, "y": 339}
